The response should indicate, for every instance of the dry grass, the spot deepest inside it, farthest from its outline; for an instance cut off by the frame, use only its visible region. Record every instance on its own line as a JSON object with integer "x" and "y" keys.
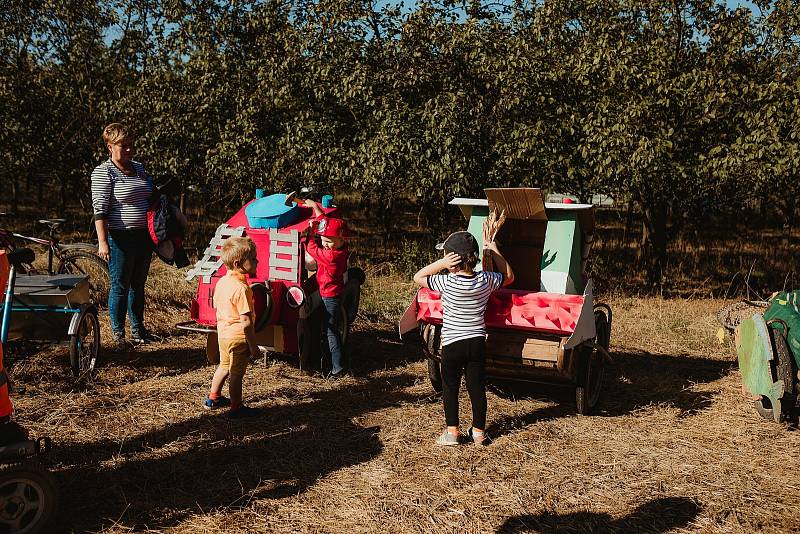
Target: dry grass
{"x": 675, "y": 446}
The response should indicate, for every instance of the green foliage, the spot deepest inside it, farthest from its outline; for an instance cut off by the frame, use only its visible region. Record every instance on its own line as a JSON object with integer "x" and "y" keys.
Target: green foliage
{"x": 675, "y": 105}
{"x": 414, "y": 255}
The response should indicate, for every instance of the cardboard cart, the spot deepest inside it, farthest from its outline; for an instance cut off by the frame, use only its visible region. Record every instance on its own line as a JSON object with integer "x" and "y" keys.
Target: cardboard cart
{"x": 545, "y": 327}
{"x": 285, "y": 292}
{"x": 767, "y": 340}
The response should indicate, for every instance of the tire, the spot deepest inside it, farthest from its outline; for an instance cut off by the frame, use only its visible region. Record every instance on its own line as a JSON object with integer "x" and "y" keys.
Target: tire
{"x": 308, "y": 347}
{"x": 435, "y": 375}
{"x": 84, "y": 262}
{"x": 28, "y": 498}
{"x": 84, "y": 345}
{"x": 782, "y": 367}
{"x": 591, "y": 368}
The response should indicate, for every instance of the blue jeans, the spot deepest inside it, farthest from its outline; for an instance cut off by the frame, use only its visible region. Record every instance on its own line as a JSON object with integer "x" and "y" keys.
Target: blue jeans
{"x": 330, "y": 307}
{"x": 128, "y": 266}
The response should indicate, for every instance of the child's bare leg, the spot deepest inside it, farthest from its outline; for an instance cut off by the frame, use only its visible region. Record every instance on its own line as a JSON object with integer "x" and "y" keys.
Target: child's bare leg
{"x": 220, "y": 375}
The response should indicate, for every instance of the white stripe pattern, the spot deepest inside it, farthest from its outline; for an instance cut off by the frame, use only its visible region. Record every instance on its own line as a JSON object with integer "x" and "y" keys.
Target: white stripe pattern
{"x": 464, "y": 301}
{"x": 120, "y": 199}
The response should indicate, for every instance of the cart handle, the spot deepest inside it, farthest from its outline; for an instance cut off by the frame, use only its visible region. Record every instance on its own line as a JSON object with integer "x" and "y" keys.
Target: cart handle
{"x": 192, "y": 326}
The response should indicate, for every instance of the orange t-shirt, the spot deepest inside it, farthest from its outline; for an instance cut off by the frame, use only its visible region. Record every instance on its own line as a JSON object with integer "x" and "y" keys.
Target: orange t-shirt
{"x": 232, "y": 299}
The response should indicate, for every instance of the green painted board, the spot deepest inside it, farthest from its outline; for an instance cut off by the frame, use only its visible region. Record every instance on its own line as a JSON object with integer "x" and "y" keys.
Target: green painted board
{"x": 562, "y": 245}
{"x": 754, "y": 350}
{"x": 475, "y": 226}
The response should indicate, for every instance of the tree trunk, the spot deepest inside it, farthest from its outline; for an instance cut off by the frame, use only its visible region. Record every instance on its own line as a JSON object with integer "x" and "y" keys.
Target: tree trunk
{"x": 655, "y": 248}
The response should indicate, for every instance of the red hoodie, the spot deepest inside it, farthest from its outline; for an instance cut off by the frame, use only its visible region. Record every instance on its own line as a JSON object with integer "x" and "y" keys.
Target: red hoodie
{"x": 331, "y": 266}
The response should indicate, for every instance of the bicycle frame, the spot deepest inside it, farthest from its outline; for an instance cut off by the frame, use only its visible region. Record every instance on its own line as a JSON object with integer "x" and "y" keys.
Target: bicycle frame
{"x": 7, "y": 240}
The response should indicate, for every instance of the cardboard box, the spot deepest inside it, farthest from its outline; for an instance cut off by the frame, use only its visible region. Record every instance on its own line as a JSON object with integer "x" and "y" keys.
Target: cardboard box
{"x": 522, "y": 235}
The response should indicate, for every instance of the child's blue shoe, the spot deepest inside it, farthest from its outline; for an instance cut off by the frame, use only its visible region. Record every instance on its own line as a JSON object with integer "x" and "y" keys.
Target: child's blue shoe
{"x": 244, "y": 412}
{"x": 221, "y": 402}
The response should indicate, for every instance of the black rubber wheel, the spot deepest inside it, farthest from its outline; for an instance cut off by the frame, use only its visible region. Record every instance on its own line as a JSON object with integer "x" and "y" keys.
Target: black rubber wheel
{"x": 782, "y": 367}
{"x": 591, "y": 367}
{"x": 84, "y": 345}
{"x": 308, "y": 346}
{"x": 28, "y": 498}
{"x": 262, "y": 300}
{"x": 764, "y": 408}
{"x": 435, "y": 375}
{"x": 84, "y": 262}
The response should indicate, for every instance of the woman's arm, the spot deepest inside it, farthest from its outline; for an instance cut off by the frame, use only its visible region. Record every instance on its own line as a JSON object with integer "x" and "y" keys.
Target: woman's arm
{"x": 102, "y": 188}
{"x": 102, "y": 238}
{"x": 501, "y": 264}
{"x": 451, "y": 260}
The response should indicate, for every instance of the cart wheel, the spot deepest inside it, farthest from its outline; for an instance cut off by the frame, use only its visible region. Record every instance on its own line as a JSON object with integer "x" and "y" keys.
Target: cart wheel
{"x": 764, "y": 408}
{"x": 782, "y": 367}
{"x": 435, "y": 375}
{"x": 84, "y": 262}
{"x": 308, "y": 343}
{"x": 84, "y": 345}
{"x": 592, "y": 368}
{"x": 343, "y": 327}
{"x": 212, "y": 348}
{"x": 28, "y": 498}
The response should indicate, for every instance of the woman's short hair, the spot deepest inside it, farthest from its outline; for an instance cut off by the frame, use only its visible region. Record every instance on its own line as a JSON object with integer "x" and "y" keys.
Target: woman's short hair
{"x": 115, "y": 133}
{"x": 237, "y": 249}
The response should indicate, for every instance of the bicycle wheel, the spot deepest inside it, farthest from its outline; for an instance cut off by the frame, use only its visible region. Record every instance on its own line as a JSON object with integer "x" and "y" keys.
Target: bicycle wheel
{"x": 83, "y": 262}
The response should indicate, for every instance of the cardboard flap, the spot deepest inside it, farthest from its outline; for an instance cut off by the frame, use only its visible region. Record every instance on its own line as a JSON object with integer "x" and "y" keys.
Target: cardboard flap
{"x": 523, "y": 203}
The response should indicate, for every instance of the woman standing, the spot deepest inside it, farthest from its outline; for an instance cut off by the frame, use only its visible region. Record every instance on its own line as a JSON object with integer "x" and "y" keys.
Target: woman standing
{"x": 121, "y": 194}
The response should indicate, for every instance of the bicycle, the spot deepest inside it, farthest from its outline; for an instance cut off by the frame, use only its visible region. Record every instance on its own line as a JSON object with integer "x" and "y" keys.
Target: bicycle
{"x": 73, "y": 258}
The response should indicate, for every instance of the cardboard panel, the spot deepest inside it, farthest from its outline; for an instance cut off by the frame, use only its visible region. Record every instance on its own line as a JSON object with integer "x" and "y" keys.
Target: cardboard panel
{"x": 525, "y": 203}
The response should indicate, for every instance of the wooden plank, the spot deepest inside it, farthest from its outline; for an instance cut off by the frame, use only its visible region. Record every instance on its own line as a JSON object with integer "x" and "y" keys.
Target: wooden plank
{"x": 292, "y": 236}
{"x": 275, "y": 274}
{"x": 274, "y": 248}
{"x": 275, "y": 261}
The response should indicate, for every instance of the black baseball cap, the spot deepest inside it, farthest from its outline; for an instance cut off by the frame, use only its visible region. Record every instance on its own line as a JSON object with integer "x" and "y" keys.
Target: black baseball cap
{"x": 462, "y": 243}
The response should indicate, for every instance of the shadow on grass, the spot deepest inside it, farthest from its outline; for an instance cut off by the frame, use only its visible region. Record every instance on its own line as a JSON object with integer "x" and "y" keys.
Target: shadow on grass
{"x": 656, "y": 516}
{"x": 139, "y": 482}
{"x": 634, "y": 381}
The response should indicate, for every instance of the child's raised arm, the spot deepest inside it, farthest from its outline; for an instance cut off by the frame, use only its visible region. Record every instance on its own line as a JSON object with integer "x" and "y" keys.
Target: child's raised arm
{"x": 314, "y": 206}
{"x": 501, "y": 263}
{"x": 450, "y": 260}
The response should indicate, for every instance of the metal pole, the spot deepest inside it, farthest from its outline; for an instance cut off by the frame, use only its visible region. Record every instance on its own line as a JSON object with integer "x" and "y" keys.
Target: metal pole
{"x": 7, "y": 304}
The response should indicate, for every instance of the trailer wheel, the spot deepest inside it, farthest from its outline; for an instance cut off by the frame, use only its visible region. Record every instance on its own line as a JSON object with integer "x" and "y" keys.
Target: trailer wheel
{"x": 591, "y": 368}
{"x": 435, "y": 375}
{"x": 28, "y": 498}
{"x": 84, "y": 344}
{"x": 308, "y": 347}
{"x": 782, "y": 367}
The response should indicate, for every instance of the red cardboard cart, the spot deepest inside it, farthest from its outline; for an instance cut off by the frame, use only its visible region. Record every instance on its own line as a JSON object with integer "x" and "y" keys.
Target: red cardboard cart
{"x": 545, "y": 327}
{"x": 287, "y": 301}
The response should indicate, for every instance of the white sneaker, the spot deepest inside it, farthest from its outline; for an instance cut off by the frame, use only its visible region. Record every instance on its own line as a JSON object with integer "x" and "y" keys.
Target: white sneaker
{"x": 481, "y": 439}
{"x": 447, "y": 439}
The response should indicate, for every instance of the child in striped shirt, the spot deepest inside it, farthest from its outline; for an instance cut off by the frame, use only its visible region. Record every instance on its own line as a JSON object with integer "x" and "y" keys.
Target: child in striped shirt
{"x": 464, "y": 293}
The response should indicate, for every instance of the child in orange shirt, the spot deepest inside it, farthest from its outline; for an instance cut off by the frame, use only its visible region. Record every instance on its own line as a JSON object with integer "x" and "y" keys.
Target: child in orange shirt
{"x": 331, "y": 256}
{"x": 233, "y": 300}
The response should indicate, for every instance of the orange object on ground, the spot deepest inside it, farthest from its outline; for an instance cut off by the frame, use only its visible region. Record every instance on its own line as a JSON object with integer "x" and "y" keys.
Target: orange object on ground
{"x": 6, "y": 408}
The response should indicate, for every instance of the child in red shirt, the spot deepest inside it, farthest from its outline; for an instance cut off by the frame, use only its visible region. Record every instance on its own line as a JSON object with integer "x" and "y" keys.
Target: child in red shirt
{"x": 331, "y": 256}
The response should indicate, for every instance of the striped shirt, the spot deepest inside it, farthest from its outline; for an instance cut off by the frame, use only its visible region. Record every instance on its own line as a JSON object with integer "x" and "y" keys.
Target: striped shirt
{"x": 120, "y": 199}
{"x": 464, "y": 301}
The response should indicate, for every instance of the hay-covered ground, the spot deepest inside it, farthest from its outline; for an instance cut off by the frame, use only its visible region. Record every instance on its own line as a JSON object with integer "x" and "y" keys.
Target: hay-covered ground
{"x": 675, "y": 447}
